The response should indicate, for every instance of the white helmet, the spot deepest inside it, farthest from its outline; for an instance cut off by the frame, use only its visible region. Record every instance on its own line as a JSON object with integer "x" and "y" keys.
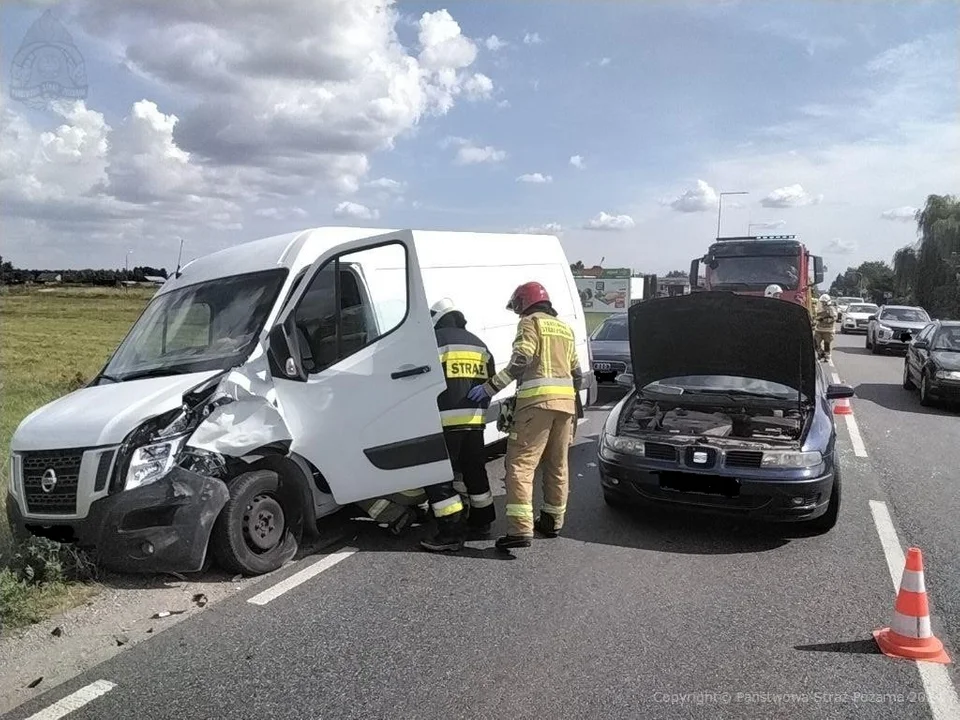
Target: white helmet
{"x": 441, "y": 307}
{"x": 824, "y": 298}
{"x": 773, "y": 291}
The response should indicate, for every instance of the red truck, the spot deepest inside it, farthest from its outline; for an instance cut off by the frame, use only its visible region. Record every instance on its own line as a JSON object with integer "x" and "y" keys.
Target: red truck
{"x": 747, "y": 265}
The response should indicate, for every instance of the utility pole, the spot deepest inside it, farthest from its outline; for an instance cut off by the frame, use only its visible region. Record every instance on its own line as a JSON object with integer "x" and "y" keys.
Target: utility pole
{"x": 720, "y": 206}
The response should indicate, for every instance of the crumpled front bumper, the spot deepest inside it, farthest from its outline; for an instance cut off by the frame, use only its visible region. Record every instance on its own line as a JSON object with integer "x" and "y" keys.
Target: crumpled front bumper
{"x": 161, "y": 527}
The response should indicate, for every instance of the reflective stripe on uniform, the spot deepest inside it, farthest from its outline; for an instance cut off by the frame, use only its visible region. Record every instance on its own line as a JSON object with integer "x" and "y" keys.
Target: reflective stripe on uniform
{"x": 546, "y": 386}
{"x": 554, "y": 509}
{"x": 464, "y": 361}
{"x": 447, "y": 507}
{"x": 482, "y": 500}
{"x": 501, "y": 379}
{"x": 463, "y": 416}
{"x": 523, "y": 511}
{"x": 378, "y": 507}
{"x": 418, "y": 493}
{"x": 460, "y": 487}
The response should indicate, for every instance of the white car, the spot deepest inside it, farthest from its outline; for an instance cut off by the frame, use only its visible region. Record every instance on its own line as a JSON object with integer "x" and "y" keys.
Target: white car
{"x": 857, "y": 317}
{"x": 845, "y": 302}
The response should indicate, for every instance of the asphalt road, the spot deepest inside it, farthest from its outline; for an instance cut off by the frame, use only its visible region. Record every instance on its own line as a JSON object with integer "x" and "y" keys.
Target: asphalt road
{"x": 626, "y": 616}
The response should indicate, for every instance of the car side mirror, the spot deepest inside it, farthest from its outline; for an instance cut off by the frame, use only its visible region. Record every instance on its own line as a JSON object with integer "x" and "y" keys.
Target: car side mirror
{"x": 625, "y": 380}
{"x": 838, "y": 392}
{"x": 872, "y": 317}
{"x": 921, "y": 344}
{"x": 284, "y": 353}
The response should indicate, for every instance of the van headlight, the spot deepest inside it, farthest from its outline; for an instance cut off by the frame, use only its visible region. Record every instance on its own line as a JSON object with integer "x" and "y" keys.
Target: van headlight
{"x": 625, "y": 445}
{"x": 791, "y": 459}
{"x": 149, "y": 463}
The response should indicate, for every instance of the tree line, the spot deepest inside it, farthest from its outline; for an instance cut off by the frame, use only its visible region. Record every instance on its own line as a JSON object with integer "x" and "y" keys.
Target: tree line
{"x": 10, "y": 275}
{"x": 924, "y": 273}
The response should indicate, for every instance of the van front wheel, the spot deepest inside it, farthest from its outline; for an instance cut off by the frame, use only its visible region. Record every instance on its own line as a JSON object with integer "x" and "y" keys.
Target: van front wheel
{"x": 251, "y": 535}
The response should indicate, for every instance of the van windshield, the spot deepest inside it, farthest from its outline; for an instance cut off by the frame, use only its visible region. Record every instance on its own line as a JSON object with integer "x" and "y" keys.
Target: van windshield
{"x": 212, "y": 325}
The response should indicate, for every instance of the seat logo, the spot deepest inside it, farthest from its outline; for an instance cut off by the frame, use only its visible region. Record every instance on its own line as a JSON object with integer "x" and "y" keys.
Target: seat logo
{"x": 49, "y": 480}
{"x": 700, "y": 457}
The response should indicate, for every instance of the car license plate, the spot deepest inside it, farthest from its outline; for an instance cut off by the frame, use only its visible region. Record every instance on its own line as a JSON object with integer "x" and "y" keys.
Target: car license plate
{"x": 602, "y": 366}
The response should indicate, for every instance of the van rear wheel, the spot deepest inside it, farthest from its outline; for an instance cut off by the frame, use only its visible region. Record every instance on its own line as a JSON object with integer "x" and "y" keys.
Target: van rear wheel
{"x": 251, "y": 536}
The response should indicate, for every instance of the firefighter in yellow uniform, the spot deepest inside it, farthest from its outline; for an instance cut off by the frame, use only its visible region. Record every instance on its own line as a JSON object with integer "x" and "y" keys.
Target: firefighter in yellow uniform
{"x": 545, "y": 365}
{"x": 825, "y": 327}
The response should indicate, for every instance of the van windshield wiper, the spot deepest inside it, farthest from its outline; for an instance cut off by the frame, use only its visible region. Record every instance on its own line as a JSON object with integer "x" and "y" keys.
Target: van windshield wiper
{"x": 154, "y": 372}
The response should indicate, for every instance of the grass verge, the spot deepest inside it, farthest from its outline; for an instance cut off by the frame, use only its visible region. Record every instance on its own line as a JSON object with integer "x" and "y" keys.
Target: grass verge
{"x": 53, "y": 341}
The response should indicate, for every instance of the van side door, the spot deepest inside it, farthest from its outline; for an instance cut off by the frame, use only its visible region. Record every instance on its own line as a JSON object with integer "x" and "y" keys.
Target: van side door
{"x": 357, "y": 371}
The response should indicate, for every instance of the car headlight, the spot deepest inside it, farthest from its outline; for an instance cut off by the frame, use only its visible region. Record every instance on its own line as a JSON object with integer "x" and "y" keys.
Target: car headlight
{"x": 149, "y": 463}
{"x": 791, "y": 459}
{"x": 885, "y": 331}
{"x": 948, "y": 374}
{"x": 628, "y": 446}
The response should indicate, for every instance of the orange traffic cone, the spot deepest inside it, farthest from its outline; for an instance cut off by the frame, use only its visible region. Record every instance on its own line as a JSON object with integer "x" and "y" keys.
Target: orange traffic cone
{"x": 909, "y": 635}
{"x": 842, "y": 407}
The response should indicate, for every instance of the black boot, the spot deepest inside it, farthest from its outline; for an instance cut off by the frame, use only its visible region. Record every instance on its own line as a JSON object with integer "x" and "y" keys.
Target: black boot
{"x": 477, "y": 531}
{"x": 408, "y": 518}
{"x": 509, "y": 542}
{"x": 449, "y": 537}
{"x": 545, "y": 524}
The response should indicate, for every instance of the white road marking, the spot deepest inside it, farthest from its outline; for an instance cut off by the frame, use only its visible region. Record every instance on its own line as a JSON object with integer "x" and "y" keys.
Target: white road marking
{"x": 74, "y": 701}
{"x": 940, "y": 692}
{"x": 856, "y": 439}
{"x": 298, "y": 578}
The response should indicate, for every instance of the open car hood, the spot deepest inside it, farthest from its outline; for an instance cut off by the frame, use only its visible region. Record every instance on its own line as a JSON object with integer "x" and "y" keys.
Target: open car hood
{"x": 721, "y": 333}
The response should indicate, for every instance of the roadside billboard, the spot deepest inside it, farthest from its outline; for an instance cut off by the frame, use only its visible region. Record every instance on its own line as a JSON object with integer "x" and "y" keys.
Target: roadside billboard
{"x": 604, "y": 294}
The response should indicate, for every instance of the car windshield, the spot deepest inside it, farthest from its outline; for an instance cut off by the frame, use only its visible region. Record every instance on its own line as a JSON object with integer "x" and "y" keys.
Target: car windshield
{"x": 913, "y": 315}
{"x": 948, "y": 339}
{"x": 866, "y": 309}
{"x": 848, "y": 300}
{"x": 212, "y": 325}
{"x": 612, "y": 331}
{"x": 721, "y": 384}
{"x": 748, "y": 273}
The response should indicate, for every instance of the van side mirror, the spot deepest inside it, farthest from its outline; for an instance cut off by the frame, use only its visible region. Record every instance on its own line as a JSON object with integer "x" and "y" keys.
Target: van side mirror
{"x": 817, "y": 269}
{"x": 625, "y": 380}
{"x": 838, "y": 392}
{"x": 694, "y": 274}
{"x": 284, "y": 355}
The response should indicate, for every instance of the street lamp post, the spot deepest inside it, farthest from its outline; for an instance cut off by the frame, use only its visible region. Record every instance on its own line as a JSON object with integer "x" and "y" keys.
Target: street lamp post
{"x": 720, "y": 206}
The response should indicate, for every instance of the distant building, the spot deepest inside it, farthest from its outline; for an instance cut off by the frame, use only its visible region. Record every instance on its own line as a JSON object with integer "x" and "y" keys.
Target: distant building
{"x": 672, "y": 286}
{"x": 49, "y": 278}
{"x": 155, "y": 279}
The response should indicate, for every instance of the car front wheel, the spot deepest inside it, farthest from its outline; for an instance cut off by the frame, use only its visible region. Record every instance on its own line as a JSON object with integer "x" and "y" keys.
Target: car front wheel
{"x": 925, "y": 398}
{"x": 251, "y": 534}
{"x": 867, "y": 340}
{"x": 907, "y": 382}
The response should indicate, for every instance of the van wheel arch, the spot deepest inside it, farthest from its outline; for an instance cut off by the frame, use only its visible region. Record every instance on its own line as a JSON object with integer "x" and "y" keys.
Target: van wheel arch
{"x": 294, "y": 492}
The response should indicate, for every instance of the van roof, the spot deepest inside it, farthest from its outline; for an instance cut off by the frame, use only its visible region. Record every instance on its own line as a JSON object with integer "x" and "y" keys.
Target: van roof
{"x": 297, "y": 249}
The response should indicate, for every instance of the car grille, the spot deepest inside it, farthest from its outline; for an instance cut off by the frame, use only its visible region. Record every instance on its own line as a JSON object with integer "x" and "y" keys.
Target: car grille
{"x": 62, "y": 499}
{"x": 659, "y": 451}
{"x": 744, "y": 459}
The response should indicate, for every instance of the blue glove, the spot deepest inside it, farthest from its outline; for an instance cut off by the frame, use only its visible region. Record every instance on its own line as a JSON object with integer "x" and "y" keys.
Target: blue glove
{"x": 477, "y": 394}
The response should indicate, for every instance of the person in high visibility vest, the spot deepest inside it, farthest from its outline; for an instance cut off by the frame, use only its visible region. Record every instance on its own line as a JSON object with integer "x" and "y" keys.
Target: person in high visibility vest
{"x": 825, "y": 327}
{"x": 545, "y": 365}
{"x": 467, "y": 363}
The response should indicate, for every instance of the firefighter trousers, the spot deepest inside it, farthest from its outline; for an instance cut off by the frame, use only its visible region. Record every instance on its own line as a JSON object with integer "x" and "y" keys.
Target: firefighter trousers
{"x": 468, "y": 455}
{"x": 391, "y": 509}
{"x": 824, "y": 341}
{"x": 538, "y": 435}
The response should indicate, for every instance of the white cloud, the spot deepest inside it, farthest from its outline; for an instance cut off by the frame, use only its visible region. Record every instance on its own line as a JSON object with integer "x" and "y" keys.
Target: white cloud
{"x": 791, "y": 196}
{"x": 277, "y": 213}
{"x": 356, "y": 211}
{"x": 532, "y": 39}
{"x": 906, "y": 213}
{"x": 577, "y": 161}
{"x": 603, "y": 221}
{"x": 493, "y": 43}
{"x": 699, "y": 199}
{"x": 604, "y": 62}
{"x": 775, "y": 225}
{"x": 503, "y": 104}
{"x": 469, "y": 153}
{"x": 478, "y": 87}
{"x": 536, "y": 178}
{"x": 841, "y": 247}
{"x": 550, "y": 228}
{"x": 385, "y": 183}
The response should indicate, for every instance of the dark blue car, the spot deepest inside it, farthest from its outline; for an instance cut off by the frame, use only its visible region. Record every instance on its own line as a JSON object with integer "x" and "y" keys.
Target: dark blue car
{"x": 728, "y": 411}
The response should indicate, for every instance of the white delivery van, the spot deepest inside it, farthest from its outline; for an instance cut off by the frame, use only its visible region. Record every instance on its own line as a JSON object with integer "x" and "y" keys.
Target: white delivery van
{"x": 265, "y": 386}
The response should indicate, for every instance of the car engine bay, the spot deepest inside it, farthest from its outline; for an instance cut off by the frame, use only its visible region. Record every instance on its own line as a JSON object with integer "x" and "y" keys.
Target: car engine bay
{"x": 744, "y": 423}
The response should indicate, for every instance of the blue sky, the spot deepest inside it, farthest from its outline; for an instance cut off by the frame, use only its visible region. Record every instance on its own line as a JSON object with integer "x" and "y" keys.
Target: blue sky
{"x": 837, "y": 117}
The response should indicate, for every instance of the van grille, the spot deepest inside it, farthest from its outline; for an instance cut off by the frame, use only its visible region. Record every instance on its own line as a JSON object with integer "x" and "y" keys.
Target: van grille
{"x": 62, "y": 499}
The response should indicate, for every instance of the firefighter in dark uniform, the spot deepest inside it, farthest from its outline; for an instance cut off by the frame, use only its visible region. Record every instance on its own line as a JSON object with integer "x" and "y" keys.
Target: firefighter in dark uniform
{"x": 467, "y": 362}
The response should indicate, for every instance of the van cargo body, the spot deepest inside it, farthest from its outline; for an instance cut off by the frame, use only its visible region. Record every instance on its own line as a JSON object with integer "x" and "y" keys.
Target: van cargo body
{"x": 267, "y": 385}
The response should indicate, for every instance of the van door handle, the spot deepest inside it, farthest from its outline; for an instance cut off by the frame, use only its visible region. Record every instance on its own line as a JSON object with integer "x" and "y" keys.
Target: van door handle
{"x": 398, "y": 374}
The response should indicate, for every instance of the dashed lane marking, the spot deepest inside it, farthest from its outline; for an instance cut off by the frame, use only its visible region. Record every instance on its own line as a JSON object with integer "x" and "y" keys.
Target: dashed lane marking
{"x": 74, "y": 701}
{"x": 938, "y": 687}
{"x": 856, "y": 439}
{"x": 298, "y": 578}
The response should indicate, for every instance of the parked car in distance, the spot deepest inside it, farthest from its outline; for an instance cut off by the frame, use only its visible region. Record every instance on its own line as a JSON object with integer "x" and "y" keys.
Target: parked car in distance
{"x": 893, "y": 326}
{"x": 610, "y": 348}
{"x": 857, "y": 317}
{"x": 932, "y": 363}
{"x": 721, "y": 419}
{"x": 844, "y": 302}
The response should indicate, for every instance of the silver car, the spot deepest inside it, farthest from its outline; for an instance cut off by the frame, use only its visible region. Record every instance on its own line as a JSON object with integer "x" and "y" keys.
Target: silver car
{"x": 893, "y": 327}
{"x": 610, "y": 348}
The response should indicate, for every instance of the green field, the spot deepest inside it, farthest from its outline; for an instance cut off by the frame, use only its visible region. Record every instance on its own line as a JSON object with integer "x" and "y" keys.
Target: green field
{"x": 52, "y": 341}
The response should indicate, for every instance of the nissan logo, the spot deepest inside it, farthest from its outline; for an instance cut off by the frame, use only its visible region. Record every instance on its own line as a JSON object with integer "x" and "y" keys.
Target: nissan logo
{"x": 49, "y": 480}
